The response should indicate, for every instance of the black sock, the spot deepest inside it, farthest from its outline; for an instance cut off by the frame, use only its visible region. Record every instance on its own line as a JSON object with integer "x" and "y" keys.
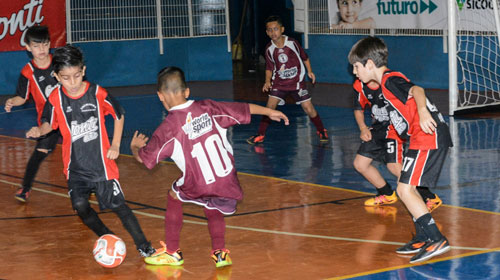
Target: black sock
{"x": 32, "y": 168}
{"x": 429, "y": 227}
{"x": 419, "y": 232}
{"x": 425, "y": 193}
{"x": 385, "y": 190}
{"x": 131, "y": 224}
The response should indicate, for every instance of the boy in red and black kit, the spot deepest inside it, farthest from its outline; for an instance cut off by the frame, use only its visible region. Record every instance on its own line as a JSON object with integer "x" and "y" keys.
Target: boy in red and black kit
{"x": 78, "y": 109}
{"x": 286, "y": 65}
{"x": 416, "y": 118}
{"x": 36, "y": 79}
{"x": 194, "y": 136}
{"x": 380, "y": 142}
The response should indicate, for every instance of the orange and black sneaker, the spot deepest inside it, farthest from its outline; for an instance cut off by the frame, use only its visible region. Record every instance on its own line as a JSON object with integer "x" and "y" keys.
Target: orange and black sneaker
{"x": 382, "y": 199}
{"x": 256, "y": 139}
{"x": 432, "y": 249}
{"x": 221, "y": 257}
{"x": 411, "y": 247}
{"x": 323, "y": 135}
{"x": 433, "y": 203}
{"x": 21, "y": 195}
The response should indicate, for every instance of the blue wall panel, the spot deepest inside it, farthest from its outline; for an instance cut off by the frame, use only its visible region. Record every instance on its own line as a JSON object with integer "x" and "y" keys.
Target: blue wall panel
{"x": 137, "y": 62}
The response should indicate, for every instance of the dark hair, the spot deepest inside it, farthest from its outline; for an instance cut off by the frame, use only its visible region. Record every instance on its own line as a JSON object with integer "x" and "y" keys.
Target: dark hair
{"x": 171, "y": 79}
{"x": 67, "y": 56}
{"x": 37, "y": 34}
{"x": 274, "y": 18}
{"x": 369, "y": 48}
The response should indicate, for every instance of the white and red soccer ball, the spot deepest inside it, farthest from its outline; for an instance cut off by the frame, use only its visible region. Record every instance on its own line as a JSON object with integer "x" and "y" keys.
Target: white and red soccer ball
{"x": 109, "y": 250}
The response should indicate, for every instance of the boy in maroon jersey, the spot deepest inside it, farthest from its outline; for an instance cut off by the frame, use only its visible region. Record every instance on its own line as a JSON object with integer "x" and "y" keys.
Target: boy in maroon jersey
{"x": 416, "y": 118}
{"x": 380, "y": 142}
{"x": 37, "y": 80}
{"x": 286, "y": 65}
{"x": 78, "y": 108}
{"x": 193, "y": 135}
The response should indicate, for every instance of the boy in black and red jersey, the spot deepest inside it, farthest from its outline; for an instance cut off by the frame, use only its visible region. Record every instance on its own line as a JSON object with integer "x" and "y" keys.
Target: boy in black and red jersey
{"x": 194, "y": 136}
{"x": 286, "y": 65}
{"x": 380, "y": 142}
{"x": 36, "y": 79}
{"x": 417, "y": 119}
{"x": 78, "y": 108}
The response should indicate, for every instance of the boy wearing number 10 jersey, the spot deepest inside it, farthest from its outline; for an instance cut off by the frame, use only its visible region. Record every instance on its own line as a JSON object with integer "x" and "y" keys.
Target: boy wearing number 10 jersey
{"x": 193, "y": 135}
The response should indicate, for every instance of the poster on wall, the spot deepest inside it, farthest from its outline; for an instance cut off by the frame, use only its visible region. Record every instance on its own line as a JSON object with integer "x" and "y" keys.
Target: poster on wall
{"x": 16, "y": 16}
{"x": 405, "y": 14}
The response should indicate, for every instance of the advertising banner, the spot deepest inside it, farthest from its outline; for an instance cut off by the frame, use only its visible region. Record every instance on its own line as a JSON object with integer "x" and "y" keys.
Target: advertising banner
{"x": 18, "y": 15}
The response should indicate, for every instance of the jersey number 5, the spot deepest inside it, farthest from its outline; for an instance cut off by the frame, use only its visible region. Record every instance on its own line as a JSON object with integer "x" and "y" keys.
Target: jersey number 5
{"x": 218, "y": 160}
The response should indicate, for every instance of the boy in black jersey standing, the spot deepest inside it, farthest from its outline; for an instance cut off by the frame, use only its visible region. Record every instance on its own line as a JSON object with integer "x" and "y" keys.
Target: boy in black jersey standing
{"x": 37, "y": 80}
{"x": 78, "y": 109}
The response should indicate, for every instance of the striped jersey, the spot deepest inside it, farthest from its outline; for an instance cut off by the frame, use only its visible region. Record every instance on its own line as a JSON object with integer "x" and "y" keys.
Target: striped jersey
{"x": 85, "y": 139}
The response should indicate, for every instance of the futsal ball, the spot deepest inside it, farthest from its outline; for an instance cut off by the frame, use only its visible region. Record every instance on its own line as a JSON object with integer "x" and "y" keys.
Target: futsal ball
{"x": 109, "y": 250}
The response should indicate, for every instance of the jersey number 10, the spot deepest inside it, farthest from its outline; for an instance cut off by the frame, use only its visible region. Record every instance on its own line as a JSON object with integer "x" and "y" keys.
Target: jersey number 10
{"x": 218, "y": 160}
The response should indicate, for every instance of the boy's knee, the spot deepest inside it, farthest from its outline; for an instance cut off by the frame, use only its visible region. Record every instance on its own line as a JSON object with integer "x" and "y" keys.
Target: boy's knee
{"x": 81, "y": 206}
{"x": 360, "y": 165}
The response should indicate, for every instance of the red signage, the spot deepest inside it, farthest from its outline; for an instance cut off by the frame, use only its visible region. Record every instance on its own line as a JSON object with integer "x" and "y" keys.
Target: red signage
{"x": 18, "y": 15}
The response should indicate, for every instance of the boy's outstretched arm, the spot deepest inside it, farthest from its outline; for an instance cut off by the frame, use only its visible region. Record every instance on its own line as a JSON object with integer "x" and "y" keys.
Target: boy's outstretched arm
{"x": 272, "y": 114}
{"x": 114, "y": 150}
{"x": 427, "y": 123}
{"x": 12, "y": 102}
{"x": 38, "y": 131}
{"x": 139, "y": 140}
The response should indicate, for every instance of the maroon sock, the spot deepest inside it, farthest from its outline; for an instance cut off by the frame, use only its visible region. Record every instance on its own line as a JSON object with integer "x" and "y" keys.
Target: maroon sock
{"x": 216, "y": 227}
{"x": 318, "y": 123}
{"x": 173, "y": 223}
{"x": 264, "y": 123}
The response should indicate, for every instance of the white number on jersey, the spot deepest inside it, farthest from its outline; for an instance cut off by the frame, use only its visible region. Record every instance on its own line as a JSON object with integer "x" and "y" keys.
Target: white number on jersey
{"x": 218, "y": 160}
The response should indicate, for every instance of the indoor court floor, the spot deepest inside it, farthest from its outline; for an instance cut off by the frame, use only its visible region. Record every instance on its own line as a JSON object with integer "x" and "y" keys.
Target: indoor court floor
{"x": 302, "y": 216}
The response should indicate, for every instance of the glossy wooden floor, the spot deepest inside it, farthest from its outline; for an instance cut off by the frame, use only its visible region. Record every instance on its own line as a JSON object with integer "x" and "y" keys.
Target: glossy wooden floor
{"x": 302, "y": 216}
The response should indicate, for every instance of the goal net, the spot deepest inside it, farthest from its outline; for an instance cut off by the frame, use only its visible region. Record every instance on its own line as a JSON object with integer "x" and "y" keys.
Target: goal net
{"x": 474, "y": 54}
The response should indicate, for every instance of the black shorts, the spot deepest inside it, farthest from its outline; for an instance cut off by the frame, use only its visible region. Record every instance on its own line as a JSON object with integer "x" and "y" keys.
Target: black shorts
{"x": 422, "y": 167}
{"x": 382, "y": 150}
{"x": 299, "y": 96}
{"x": 48, "y": 141}
{"x": 109, "y": 193}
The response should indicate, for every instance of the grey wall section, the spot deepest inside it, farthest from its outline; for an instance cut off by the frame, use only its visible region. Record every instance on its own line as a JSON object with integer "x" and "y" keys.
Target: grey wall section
{"x": 129, "y": 63}
{"x": 421, "y": 59}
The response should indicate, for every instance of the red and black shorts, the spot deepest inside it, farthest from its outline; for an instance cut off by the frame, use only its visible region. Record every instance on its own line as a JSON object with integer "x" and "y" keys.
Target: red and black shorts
{"x": 299, "y": 96}
{"x": 422, "y": 167}
{"x": 109, "y": 193}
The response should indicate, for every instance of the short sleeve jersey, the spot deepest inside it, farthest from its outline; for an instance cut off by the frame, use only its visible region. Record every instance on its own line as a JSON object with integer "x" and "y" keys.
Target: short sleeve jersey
{"x": 38, "y": 83}
{"x": 287, "y": 65}
{"x": 85, "y": 139}
{"x": 373, "y": 98}
{"x": 404, "y": 115}
{"x": 194, "y": 136}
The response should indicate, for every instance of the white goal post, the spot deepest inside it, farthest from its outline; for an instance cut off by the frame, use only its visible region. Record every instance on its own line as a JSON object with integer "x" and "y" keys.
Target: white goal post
{"x": 474, "y": 54}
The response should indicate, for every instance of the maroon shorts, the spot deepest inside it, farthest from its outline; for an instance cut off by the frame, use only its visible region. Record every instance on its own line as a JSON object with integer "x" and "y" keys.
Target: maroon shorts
{"x": 422, "y": 167}
{"x": 299, "y": 96}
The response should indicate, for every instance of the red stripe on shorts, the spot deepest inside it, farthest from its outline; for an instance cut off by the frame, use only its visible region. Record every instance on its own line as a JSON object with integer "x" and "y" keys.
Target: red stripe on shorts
{"x": 418, "y": 168}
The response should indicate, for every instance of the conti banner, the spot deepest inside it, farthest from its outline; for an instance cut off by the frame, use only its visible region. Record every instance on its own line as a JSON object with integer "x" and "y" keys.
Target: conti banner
{"x": 407, "y": 14}
{"x": 18, "y": 15}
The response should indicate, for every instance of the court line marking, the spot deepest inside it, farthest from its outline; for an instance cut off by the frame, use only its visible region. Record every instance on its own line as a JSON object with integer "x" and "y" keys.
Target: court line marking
{"x": 256, "y": 229}
{"x": 371, "y": 272}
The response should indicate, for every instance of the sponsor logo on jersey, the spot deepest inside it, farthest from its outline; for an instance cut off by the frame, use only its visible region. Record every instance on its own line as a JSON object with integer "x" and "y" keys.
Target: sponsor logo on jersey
{"x": 41, "y": 79}
{"x": 48, "y": 90}
{"x": 288, "y": 73}
{"x": 283, "y": 58}
{"x": 88, "y": 107}
{"x": 86, "y": 130}
{"x": 69, "y": 109}
{"x": 380, "y": 113}
{"x": 198, "y": 126}
{"x": 398, "y": 122}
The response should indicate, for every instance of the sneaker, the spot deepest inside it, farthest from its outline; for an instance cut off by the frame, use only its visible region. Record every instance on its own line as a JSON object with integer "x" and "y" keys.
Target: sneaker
{"x": 163, "y": 257}
{"x": 323, "y": 135}
{"x": 432, "y": 249}
{"x": 411, "y": 247}
{"x": 433, "y": 203}
{"x": 146, "y": 250}
{"x": 221, "y": 257}
{"x": 256, "y": 139}
{"x": 21, "y": 195}
{"x": 382, "y": 200}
